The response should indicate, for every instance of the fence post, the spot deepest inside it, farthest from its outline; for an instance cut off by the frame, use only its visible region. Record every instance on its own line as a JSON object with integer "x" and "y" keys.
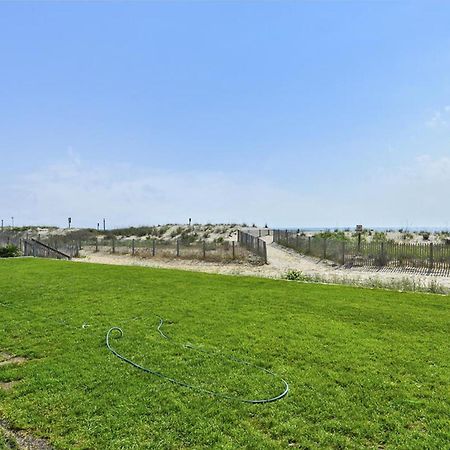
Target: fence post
{"x": 239, "y": 236}
{"x": 113, "y": 245}
{"x": 265, "y": 251}
{"x": 178, "y": 247}
{"x": 343, "y": 253}
{"x": 132, "y": 247}
{"x": 154, "y": 247}
{"x": 309, "y": 245}
{"x": 232, "y": 245}
{"x": 204, "y": 249}
{"x": 431, "y": 256}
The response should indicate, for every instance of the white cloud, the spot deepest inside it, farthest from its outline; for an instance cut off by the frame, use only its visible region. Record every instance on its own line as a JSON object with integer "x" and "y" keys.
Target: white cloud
{"x": 133, "y": 195}
{"x": 416, "y": 193}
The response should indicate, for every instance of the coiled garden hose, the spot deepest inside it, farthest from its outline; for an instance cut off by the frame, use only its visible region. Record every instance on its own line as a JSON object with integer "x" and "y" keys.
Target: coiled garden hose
{"x": 187, "y": 385}
{"x": 86, "y": 325}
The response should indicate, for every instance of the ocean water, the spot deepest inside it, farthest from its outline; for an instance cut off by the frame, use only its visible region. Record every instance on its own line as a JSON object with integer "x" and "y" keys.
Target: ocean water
{"x": 352, "y": 228}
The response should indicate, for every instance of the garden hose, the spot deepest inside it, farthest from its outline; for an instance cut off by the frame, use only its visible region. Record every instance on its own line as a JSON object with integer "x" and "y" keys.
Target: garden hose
{"x": 86, "y": 325}
{"x": 187, "y": 385}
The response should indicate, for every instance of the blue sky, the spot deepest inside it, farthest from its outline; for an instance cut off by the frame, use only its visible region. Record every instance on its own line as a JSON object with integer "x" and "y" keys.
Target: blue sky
{"x": 290, "y": 113}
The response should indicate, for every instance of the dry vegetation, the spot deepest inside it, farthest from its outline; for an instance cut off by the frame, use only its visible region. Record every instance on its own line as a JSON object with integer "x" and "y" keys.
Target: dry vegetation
{"x": 393, "y": 236}
{"x": 169, "y": 232}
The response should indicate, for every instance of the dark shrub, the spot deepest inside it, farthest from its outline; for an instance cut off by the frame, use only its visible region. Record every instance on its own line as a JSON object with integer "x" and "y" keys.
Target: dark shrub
{"x": 9, "y": 251}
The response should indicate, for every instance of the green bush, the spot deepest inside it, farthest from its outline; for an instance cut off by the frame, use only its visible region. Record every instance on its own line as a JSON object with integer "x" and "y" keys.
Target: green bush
{"x": 295, "y": 275}
{"x": 9, "y": 251}
{"x": 337, "y": 234}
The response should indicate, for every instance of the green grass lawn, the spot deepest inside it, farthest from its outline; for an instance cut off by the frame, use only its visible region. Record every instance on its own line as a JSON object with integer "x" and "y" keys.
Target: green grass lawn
{"x": 366, "y": 368}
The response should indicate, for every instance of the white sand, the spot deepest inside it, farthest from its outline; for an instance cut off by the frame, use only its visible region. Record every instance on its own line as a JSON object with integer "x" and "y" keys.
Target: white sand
{"x": 280, "y": 261}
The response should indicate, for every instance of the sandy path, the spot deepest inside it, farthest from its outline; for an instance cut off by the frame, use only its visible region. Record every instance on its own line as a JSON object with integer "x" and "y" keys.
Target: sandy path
{"x": 280, "y": 260}
{"x": 182, "y": 264}
{"x": 283, "y": 259}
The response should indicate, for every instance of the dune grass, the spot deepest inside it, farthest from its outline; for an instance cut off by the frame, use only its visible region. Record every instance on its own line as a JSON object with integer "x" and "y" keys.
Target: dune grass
{"x": 367, "y": 368}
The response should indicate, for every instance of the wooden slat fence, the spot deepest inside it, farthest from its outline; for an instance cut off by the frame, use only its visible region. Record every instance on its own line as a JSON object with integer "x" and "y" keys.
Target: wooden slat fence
{"x": 48, "y": 248}
{"x": 258, "y": 232}
{"x": 349, "y": 253}
{"x": 254, "y": 244}
{"x": 38, "y": 249}
{"x": 66, "y": 246}
{"x": 148, "y": 248}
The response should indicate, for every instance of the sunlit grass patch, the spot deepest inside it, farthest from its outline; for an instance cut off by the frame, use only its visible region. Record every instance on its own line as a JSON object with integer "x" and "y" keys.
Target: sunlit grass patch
{"x": 367, "y": 368}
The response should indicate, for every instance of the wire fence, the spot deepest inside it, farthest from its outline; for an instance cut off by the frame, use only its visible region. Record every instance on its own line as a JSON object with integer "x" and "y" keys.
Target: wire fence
{"x": 351, "y": 253}
{"x": 253, "y": 244}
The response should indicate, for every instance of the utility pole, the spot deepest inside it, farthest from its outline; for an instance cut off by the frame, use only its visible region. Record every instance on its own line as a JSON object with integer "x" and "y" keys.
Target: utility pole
{"x": 98, "y": 226}
{"x": 70, "y": 221}
{"x": 104, "y": 224}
